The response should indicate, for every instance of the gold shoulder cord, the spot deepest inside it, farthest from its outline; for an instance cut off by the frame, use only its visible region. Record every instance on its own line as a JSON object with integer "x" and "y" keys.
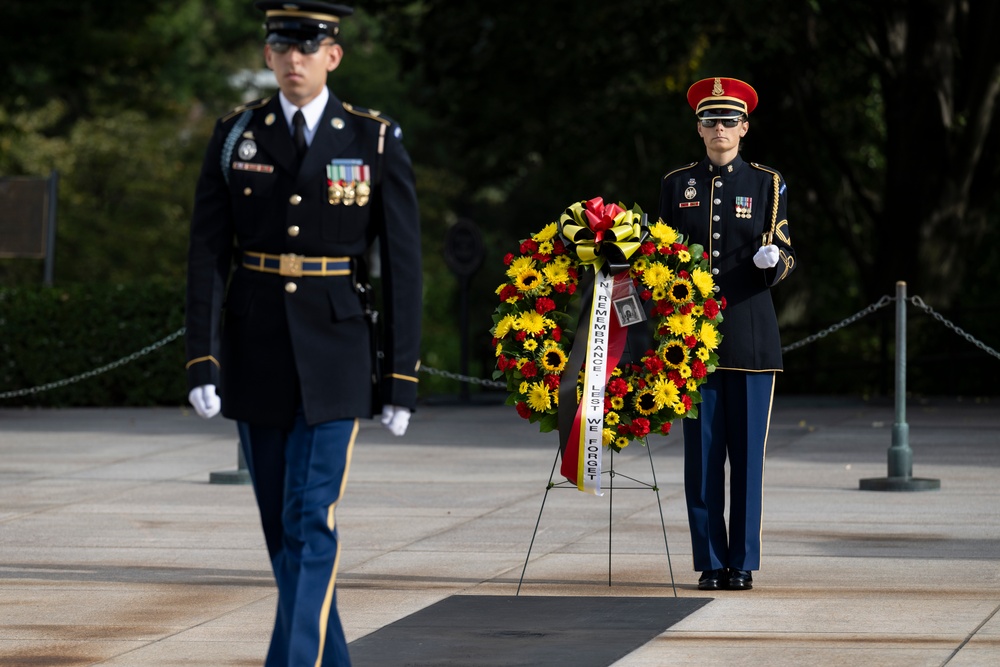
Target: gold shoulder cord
{"x": 774, "y": 211}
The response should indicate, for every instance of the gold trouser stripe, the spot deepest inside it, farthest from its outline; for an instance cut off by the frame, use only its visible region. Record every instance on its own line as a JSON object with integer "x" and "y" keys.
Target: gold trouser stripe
{"x": 767, "y": 431}
{"x": 324, "y": 614}
{"x": 201, "y": 359}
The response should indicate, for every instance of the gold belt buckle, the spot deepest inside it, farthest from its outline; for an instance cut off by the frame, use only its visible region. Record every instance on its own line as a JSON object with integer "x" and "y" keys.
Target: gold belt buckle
{"x": 290, "y": 265}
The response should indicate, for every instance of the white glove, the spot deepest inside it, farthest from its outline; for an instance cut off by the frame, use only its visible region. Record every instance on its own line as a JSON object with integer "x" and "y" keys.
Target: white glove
{"x": 395, "y": 418}
{"x": 205, "y": 401}
{"x": 766, "y": 257}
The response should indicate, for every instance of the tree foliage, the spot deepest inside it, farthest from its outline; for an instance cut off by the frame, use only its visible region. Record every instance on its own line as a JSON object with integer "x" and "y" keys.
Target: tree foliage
{"x": 881, "y": 116}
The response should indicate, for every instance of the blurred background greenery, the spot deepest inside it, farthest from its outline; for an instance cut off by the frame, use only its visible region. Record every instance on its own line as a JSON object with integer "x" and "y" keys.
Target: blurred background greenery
{"x": 881, "y": 117}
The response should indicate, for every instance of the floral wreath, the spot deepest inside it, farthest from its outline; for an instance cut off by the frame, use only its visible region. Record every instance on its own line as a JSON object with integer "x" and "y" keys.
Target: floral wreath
{"x": 533, "y": 330}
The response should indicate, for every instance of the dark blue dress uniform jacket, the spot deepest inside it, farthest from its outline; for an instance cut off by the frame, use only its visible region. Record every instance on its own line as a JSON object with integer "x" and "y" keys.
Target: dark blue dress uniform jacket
{"x": 701, "y": 202}
{"x": 273, "y": 343}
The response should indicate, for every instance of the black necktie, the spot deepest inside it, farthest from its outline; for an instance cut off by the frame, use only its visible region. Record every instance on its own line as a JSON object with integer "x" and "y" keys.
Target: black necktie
{"x": 299, "y": 135}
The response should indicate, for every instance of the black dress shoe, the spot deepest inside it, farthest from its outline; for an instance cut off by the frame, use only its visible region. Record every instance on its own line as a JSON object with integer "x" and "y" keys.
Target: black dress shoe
{"x": 711, "y": 580}
{"x": 739, "y": 580}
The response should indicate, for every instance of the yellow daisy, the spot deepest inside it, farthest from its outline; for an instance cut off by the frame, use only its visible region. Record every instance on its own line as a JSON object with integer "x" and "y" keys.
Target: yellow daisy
{"x": 547, "y": 233}
{"x": 520, "y": 264}
{"x": 530, "y": 345}
{"x": 657, "y": 275}
{"x": 703, "y": 281}
{"x": 665, "y": 392}
{"x": 663, "y": 233}
{"x": 621, "y": 442}
{"x": 607, "y": 437}
{"x": 709, "y": 335}
{"x": 539, "y": 397}
{"x": 530, "y": 322}
{"x": 504, "y": 326}
{"x": 556, "y": 273}
{"x": 680, "y": 325}
{"x": 611, "y": 418}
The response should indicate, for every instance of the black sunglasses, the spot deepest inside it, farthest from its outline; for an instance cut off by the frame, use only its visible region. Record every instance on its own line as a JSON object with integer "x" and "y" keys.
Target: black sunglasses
{"x": 306, "y": 47}
{"x": 726, "y": 122}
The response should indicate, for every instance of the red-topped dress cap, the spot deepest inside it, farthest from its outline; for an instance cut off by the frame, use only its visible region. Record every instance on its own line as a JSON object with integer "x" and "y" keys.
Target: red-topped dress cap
{"x": 721, "y": 97}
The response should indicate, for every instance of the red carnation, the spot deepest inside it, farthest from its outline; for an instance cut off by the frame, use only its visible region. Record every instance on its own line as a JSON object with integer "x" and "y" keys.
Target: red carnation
{"x": 528, "y": 247}
{"x": 648, "y": 248}
{"x": 541, "y": 258}
{"x": 529, "y": 370}
{"x": 665, "y": 429}
{"x": 556, "y": 334}
{"x": 507, "y": 292}
{"x": 704, "y": 254}
{"x": 560, "y": 287}
{"x": 523, "y": 410}
{"x": 508, "y": 258}
{"x": 684, "y": 274}
{"x": 558, "y": 247}
{"x": 722, "y": 304}
{"x": 711, "y": 309}
{"x": 676, "y": 378}
{"x": 690, "y": 341}
{"x": 686, "y": 400}
{"x": 552, "y": 381}
{"x": 645, "y": 295}
{"x": 520, "y": 336}
{"x": 570, "y": 289}
{"x": 617, "y": 387}
{"x": 502, "y": 362}
{"x": 544, "y": 305}
{"x": 654, "y": 364}
{"x": 687, "y": 308}
{"x": 698, "y": 369}
{"x": 640, "y": 427}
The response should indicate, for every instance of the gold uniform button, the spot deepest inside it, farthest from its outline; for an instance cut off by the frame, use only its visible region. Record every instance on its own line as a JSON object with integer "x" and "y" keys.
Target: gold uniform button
{"x": 295, "y": 200}
{"x": 293, "y": 230}
{"x": 247, "y": 191}
{"x": 291, "y": 287}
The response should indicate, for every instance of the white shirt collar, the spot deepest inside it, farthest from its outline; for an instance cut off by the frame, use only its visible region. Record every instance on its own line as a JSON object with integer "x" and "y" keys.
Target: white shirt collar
{"x": 313, "y": 111}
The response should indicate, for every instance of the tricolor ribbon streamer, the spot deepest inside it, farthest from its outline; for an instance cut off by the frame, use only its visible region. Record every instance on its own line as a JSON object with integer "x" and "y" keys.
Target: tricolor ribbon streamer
{"x": 604, "y": 238}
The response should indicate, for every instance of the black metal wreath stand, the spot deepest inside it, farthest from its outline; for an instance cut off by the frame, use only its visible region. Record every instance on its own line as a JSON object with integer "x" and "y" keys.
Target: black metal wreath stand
{"x": 611, "y": 473}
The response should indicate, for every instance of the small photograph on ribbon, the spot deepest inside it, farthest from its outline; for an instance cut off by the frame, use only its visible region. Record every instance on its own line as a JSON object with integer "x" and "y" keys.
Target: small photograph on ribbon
{"x": 629, "y": 310}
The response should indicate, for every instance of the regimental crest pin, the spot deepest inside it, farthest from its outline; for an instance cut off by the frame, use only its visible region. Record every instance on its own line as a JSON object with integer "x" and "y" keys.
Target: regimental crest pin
{"x": 744, "y": 207}
{"x": 269, "y": 119}
{"x": 690, "y": 193}
{"x": 337, "y": 123}
{"x": 247, "y": 149}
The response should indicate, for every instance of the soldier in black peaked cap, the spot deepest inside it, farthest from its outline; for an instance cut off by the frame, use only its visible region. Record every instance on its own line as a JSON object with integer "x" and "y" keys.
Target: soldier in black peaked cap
{"x": 294, "y": 190}
{"x": 736, "y": 210}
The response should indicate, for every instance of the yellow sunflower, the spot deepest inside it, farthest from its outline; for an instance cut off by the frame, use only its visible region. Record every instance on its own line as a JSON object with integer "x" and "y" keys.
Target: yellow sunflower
{"x": 674, "y": 354}
{"x": 553, "y": 359}
{"x": 645, "y": 402}
{"x": 680, "y": 291}
{"x": 527, "y": 280}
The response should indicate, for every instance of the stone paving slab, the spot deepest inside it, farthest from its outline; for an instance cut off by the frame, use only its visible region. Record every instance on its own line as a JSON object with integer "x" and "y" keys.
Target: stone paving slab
{"x": 116, "y": 550}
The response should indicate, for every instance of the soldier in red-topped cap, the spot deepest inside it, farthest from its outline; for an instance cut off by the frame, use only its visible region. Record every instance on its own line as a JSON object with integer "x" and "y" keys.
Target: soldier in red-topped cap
{"x": 737, "y": 211}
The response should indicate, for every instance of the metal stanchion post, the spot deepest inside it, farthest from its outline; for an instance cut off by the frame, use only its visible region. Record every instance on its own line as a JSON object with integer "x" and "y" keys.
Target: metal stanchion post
{"x": 239, "y": 476}
{"x": 900, "y": 466}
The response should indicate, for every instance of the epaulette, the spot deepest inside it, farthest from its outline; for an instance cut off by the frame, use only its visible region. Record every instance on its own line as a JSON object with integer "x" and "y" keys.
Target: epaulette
{"x": 256, "y": 104}
{"x": 366, "y": 113}
{"x": 685, "y": 167}
{"x": 757, "y": 165}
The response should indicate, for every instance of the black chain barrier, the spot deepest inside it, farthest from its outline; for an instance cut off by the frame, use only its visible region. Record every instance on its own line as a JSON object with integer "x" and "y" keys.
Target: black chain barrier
{"x": 861, "y": 314}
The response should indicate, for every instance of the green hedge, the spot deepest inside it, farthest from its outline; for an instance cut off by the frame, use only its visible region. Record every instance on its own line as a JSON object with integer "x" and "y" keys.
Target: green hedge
{"x": 51, "y": 334}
